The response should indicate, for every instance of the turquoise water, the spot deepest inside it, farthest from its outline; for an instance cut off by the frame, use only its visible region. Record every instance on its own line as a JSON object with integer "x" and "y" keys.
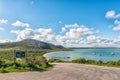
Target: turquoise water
{"x": 94, "y": 54}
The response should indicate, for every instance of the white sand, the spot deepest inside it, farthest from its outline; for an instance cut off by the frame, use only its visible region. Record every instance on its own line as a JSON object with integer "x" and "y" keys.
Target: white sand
{"x": 45, "y": 55}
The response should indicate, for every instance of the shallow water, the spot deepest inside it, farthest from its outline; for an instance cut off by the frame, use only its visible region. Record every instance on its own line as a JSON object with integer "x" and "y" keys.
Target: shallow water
{"x": 93, "y": 54}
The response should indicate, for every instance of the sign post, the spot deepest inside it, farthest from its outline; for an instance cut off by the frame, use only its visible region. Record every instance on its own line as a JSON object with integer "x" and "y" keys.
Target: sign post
{"x": 14, "y": 56}
{"x": 19, "y": 54}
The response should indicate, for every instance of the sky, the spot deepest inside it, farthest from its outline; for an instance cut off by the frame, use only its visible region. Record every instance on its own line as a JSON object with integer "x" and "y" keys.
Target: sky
{"x": 71, "y": 23}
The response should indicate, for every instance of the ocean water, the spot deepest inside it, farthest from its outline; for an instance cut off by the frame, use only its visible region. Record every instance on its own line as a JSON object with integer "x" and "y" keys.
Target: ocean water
{"x": 93, "y": 54}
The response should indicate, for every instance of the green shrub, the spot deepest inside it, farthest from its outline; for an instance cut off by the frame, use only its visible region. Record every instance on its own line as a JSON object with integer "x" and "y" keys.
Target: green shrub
{"x": 111, "y": 63}
{"x": 100, "y": 62}
{"x": 35, "y": 63}
{"x": 2, "y": 70}
{"x": 11, "y": 69}
{"x": 118, "y": 63}
{"x": 39, "y": 60}
{"x": 2, "y": 64}
{"x": 92, "y": 62}
{"x": 81, "y": 60}
{"x": 55, "y": 60}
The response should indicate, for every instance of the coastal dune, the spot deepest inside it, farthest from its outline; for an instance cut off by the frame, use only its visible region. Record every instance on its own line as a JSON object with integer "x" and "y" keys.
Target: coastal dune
{"x": 67, "y": 71}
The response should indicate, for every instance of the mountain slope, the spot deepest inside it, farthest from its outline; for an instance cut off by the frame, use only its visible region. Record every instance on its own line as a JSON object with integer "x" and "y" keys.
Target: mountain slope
{"x": 30, "y": 44}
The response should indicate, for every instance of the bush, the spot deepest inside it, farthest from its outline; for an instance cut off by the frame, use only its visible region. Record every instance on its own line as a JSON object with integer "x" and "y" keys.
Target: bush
{"x": 100, "y": 62}
{"x": 39, "y": 60}
{"x": 2, "y": 64}
{"x": 118, "y": 63}
{"x": 111, "y": 63}
{"x": 2, "y": 70}
{"x": 35, "y": 63}
{"x": 8, "y": 64}
{"x": 92, "y": 62}
{"x": 55, "y": 60}
{"x": 81, "y": 60}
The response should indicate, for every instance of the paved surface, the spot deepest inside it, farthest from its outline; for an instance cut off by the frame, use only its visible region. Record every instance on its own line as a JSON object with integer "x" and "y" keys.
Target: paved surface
{"x": 67, "y": 71}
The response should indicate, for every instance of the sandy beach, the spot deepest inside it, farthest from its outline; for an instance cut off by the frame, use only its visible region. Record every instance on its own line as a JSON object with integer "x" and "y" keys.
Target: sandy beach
{"x": 45, "y": 55}
{"x": 67, "y": 71}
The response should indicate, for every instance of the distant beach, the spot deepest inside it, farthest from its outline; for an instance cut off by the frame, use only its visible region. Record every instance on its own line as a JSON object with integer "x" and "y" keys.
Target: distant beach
{"x": 45, "y": 55}
{"x": 50, "y": 53}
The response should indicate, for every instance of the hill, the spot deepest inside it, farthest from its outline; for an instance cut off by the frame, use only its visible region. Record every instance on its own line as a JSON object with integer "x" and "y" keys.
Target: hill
{"x": 29, "y": 44}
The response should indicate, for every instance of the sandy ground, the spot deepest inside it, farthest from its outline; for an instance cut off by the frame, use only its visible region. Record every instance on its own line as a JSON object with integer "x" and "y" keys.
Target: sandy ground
{"x": 67, "y": 71}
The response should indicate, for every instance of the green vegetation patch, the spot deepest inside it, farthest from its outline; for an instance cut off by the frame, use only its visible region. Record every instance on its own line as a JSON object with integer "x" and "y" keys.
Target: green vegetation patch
{"x": 93, "y": 62}
{"x": 55, "y": 60}
{"x": 37, "y": 63}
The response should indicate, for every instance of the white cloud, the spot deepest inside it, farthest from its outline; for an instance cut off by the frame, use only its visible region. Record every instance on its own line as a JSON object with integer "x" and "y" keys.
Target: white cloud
{"x": 45, "y": 31}
{"x": 6, "y": 40}
{"x": 39, "y": 34}
{"x": 23, "y": 34}
{"x": 47, "y": 34}
{"x": 63, "y": 29}
{"x": 116, "y": 28}
{"x": 74, "y": 36}
{"x": 91, "y": 38}
{"x": 112, "y": 14}
{"x": 99, "y": 42}
{"x": 39, "y": 37}
{"x": 1, "y": 28}
{"x": 116, "y": 22}
{"x": 117, "y": 25}
{"x": 79, "y": 32}
{"x": 117, "y": 40}
{"x": 20, "y": 24}
{"x": 15, "y": 31}
{"x": 60, "y": 38}
{"x": 3, "y": 21}
{"x": 71, "y": 25}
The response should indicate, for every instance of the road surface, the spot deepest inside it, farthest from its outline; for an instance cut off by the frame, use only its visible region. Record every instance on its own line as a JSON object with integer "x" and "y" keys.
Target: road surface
{"x": 67, "y": 71}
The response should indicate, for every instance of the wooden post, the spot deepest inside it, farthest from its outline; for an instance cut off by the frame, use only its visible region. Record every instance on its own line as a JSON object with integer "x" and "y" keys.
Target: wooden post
{"x": 26, "y": 56}
{"x": 14, "y": 56}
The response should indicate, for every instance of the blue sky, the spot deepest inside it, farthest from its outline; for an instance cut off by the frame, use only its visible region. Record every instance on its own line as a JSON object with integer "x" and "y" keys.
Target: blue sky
{"x": 91, "y": 22}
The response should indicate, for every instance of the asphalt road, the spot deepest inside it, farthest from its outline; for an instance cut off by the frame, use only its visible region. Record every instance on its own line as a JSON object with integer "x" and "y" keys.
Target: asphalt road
{"x": 67, "y": 71}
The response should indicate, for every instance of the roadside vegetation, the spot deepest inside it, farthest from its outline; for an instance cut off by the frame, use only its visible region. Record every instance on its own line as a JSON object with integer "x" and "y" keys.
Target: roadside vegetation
{"x": 33, "y": 62}
{"x": 92, "y": 62}
{"x": 22, "y": 65}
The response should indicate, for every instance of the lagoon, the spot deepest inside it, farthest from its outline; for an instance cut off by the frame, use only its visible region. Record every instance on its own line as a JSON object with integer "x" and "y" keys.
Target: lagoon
{"x": 93, "y": 54}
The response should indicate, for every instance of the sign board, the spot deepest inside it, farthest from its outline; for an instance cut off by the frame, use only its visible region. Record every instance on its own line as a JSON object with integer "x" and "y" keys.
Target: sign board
{"x": 20, "y": 54}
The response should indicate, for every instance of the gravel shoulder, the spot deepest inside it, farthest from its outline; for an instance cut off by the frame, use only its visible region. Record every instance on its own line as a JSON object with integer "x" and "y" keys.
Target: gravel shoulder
{"x": 67, "y": 71}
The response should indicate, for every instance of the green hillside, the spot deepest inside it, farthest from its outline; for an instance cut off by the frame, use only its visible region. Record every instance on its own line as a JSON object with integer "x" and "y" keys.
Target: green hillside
{"x": 29, "y": 44}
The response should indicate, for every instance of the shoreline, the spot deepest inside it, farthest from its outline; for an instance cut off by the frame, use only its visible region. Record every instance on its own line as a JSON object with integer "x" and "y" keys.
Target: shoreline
{"x": 45, "y": 55}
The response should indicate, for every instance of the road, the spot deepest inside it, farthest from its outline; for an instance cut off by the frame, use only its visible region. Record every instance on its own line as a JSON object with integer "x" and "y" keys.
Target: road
{"x": 67, "y": 71}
